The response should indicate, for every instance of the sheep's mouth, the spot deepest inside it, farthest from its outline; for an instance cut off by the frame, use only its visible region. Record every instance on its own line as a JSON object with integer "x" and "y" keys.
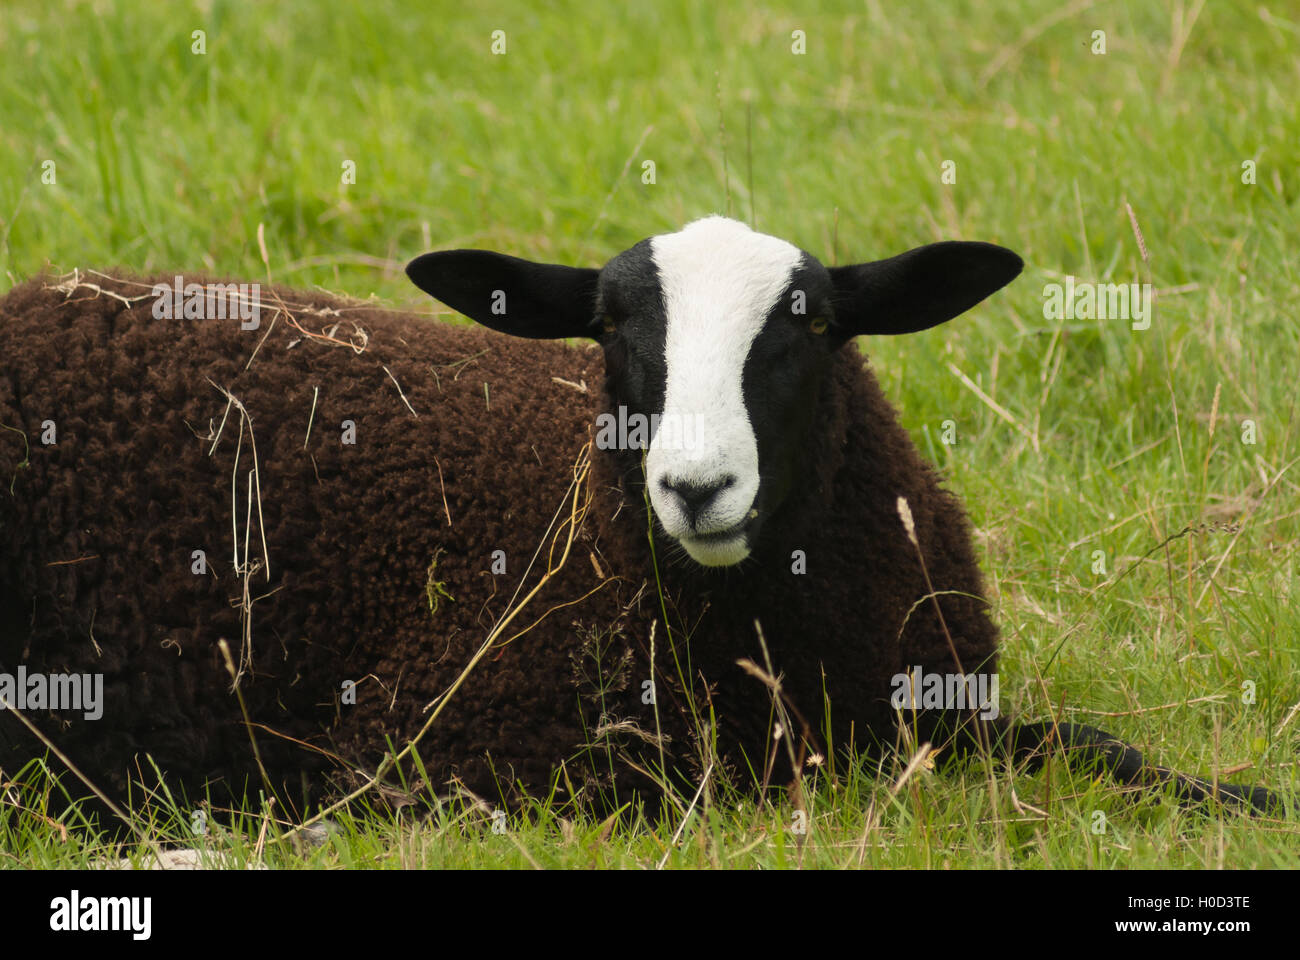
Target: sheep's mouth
{"x": 719, "y": 536}
{"x": 721, "y": 548}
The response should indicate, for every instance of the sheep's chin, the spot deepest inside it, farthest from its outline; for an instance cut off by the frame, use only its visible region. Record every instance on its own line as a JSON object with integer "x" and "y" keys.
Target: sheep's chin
{"x": 717, "y": 553}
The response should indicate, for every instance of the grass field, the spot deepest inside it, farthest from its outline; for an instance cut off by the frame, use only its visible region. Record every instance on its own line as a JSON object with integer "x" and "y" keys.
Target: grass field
{"x": 1134, "y": 491}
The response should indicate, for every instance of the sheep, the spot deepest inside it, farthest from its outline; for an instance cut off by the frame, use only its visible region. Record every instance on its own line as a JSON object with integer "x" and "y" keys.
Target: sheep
{"x": 400, "y": 527}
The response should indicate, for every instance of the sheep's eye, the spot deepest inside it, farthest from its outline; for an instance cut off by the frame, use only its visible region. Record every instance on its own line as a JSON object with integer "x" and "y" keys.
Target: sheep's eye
{"x": 819, "y": 325}
{"x": 608, "y": 323}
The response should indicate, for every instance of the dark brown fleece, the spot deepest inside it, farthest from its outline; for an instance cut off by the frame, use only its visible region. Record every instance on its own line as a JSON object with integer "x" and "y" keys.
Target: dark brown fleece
{"x": 370, "y": 583}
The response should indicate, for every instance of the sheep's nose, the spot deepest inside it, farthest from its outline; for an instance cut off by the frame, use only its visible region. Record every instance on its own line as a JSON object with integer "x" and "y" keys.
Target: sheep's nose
{"x": 695, "y": 497}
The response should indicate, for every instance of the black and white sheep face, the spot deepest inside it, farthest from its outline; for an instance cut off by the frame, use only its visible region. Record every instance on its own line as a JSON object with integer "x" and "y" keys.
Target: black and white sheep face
{"x": 719, "y": 337}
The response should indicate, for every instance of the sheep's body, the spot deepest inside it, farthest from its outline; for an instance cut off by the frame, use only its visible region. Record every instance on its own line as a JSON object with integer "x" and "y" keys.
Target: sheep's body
{"x": 410, "y": 494}
{"x": 98, "y": 535}
{"x": 97, "y": 572}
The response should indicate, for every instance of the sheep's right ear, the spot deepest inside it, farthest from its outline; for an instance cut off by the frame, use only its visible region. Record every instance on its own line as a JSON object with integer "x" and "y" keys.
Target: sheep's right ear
{"x": 921, "y": 288}
{"x": 542, "y": 301}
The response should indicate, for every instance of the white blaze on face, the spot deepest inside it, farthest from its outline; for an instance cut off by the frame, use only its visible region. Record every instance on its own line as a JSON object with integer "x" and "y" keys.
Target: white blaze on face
{"x": 719, "y": 281}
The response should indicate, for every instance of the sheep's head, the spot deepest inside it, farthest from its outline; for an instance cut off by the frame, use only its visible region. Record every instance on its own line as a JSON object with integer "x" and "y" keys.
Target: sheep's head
{"x": 716, "y": 339}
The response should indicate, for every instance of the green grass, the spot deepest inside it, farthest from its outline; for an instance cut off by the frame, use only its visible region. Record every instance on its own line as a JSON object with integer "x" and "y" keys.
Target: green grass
{"x": 169, "y": 160}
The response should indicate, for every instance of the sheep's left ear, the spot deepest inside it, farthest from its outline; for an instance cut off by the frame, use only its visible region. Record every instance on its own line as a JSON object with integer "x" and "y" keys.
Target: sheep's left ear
{"x": 921, "y": 288}
{"x": 542, "y": 301}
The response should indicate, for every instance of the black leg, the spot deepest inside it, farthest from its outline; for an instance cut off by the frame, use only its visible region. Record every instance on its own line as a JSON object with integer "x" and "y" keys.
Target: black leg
{"x": 1087, "y": 749}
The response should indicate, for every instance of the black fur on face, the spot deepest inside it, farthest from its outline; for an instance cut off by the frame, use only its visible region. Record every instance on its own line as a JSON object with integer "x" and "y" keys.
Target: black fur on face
{"x": 632, "y": 323}
{"x": 782, "y": 379}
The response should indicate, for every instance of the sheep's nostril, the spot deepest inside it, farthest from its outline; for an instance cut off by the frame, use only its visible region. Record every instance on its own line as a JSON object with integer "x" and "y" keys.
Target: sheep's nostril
{"x": 696, "y": 496}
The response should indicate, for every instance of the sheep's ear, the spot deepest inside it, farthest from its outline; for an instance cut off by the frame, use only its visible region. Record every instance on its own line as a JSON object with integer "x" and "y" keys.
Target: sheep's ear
{"x": 921, "y": 288}
{"x": 541, "y": 301}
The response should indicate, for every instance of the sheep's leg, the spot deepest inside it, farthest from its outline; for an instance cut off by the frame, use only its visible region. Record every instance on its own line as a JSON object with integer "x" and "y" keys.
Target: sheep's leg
{"x": 1088, "y": 747}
